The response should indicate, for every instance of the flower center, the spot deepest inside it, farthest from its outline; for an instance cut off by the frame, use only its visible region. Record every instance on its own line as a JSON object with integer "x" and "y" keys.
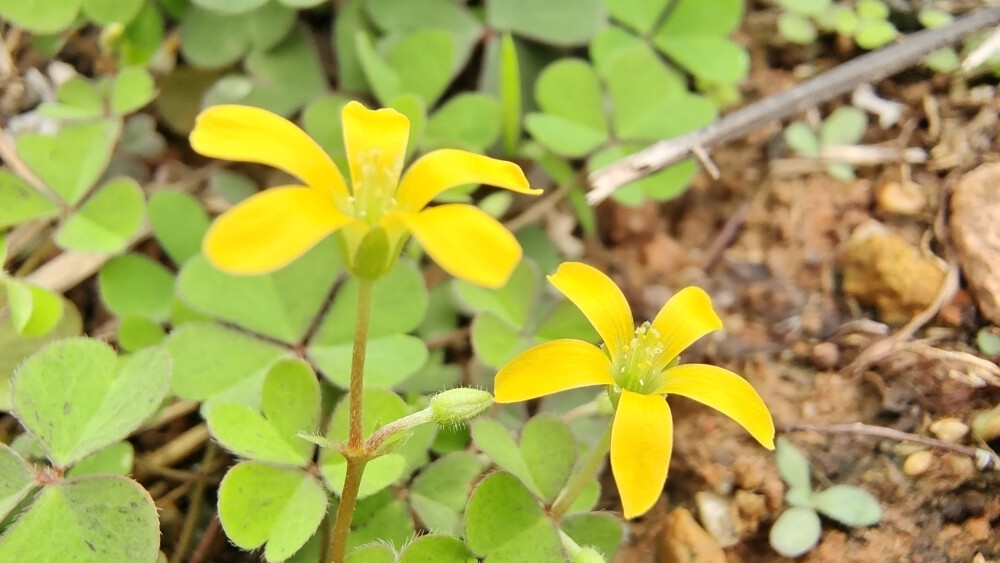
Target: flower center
{"x": 641, "y": 361}
{"x": 374, "y": 186}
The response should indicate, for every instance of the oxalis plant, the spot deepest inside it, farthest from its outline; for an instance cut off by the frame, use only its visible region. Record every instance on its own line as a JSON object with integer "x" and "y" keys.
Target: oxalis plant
{"x": 253, "y": 327}
{"x": 798, "y": 528}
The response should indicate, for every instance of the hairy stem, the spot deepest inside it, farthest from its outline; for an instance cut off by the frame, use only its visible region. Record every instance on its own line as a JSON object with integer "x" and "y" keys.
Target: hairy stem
{"x": 355, "y": 439}
{"x": 581, "y": 479}
{"x": 356, "y": 456}
{"x": 348, "y": 498}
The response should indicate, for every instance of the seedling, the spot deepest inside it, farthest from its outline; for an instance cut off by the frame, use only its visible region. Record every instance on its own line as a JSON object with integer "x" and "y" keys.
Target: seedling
{"x": 798, "y": 528}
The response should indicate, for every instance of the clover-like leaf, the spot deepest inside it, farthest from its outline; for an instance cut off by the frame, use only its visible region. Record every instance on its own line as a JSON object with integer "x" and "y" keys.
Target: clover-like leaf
{"x": 17, "y": 479}
{"x": 795, "y": 532}
{"x": 34, "y": 310}
{"x": 512, "y": 302}
{"x": 556, "y": 22}
{"x": 72, "y": 160}
{"x": 402, "y": 17}
{"x": 179, "y": 223}
{"x": 549, "y": 451}
{"x": 286, "y": 76}
{"x": 505, "y": 523}
{"x": 600, "y": 530}
{"x": 640, "y": 15}
{"x": 496, "y": 341}
{"x": 93, "y": 519}
{"x": 132, "y": 89}
{"x": 143, "y": 36}
{"x": 289, "y": 405}
{"x": 420, "y": 63}
{"x": 694, "y": 35}
{"x": 112, "y": 11}
{"x": 845, "y": 126}
{"x": 848, "y": 505}
{"x": 262, "y": 504}
{"x": 75, "y": 396}
{"x": 468, "y": 121}
{"x": 573, "y": 123}
{"x": 801, "y": 138}
{"x": 20, "y": 203}
{"x": 134, "y": 284}
{"x": 229, "y": 6}
{"x": 212, "y": 40}
{"x": 495, "y": 441}
{"x": 381, "y": 518}
{"x": 116, "y": 459}
{"x": 282, "y": 304}
{"x": 107, "y": 220}
{"x": 214, "y": 362}
{"x": 372, "y": 553}
{"x": 40, "y": 16}
{"x": 797, "y": 28}
{"x": 792, "y": 465}
{"x": 136, "y": 332}
{"x": 436, "y": 548}
{"x": 440, "y": 491}
{"x": 16, "y": 346}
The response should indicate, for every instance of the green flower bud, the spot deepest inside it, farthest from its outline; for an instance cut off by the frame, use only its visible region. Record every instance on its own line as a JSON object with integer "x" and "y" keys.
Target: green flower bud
{"x": 455, "y": 407}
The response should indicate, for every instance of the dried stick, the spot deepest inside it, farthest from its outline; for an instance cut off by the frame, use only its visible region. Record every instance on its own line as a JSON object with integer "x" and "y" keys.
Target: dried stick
{"x": 828, "y": 85}
{"x": 985, "y": 459}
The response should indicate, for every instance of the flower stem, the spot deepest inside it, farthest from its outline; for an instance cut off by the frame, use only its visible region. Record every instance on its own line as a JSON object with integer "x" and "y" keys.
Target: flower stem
{"x": 354, "y": 452}
{"x": 583, "y": 478}
{"x": 354, "y": 438}
{"x": 345, "y": 513}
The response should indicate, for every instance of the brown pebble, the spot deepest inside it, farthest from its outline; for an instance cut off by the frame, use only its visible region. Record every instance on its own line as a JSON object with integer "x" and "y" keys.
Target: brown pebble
{"x": 825, "y": 355}
{"x": 918, "y": 463}
{"x": 901, "y": 198}
{"x": 684, "y": 541}
{"x": 978, "y": 528}
{"x": 949, "y": 429}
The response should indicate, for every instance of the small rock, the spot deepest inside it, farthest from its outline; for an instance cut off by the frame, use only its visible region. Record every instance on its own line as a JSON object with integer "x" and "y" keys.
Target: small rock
{"x": 718, "y": 517}
{"x": 949, "y": 429}
{"x": 684, "y": 541}
{"x": 901, "y": 198}
{"x": 918, "y": 463}
{"x": 975, "y": 230}
{"x": 978, "y": 528}
{"x": 881, "y": 268}
{"x": 825, "y": 355}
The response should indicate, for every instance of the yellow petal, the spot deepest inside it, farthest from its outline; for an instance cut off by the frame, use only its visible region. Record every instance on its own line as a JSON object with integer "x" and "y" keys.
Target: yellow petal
{"x": 444, "y": 169}
{"x": 271, "y": 229}
{"x": 599, "y": 299}
{"x": 249, "y": 134}
{"x": 686, "y": 317}
{"x": 641, "y": 441}
{"x": 466, "y": 242}
{"x": 725, "y": 392}
{"x": 552, "y": 367}
{"x": 375, "y": 141}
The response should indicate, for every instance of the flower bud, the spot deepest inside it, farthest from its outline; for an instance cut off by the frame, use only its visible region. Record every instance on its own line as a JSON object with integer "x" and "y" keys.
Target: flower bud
{"x": 455, "y": 407}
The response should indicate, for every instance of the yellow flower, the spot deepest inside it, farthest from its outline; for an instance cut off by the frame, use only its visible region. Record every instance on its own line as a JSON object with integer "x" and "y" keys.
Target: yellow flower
{"x": 640, "y": 367}
{"x": 271, "y": 229}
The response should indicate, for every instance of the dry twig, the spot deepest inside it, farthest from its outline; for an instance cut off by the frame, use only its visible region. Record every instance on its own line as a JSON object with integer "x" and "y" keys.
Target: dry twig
{"x": 985, "y": 459}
